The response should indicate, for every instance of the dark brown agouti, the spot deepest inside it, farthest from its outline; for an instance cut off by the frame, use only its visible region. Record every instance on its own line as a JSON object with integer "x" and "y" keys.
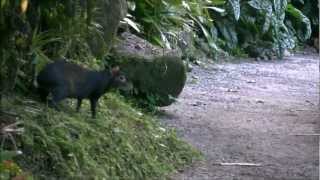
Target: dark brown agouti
{"x": 67, "y": 80}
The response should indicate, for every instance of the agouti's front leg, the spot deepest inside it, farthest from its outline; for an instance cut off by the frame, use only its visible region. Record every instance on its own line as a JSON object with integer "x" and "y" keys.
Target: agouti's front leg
{"x": 79, "y": 104}
{"x": 93, "y": 102}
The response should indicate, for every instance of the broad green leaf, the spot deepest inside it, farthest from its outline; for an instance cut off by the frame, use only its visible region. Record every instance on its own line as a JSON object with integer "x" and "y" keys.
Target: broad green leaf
{"x": 228, "y": 32}
{"x": 131, "y": 5}
{"x": 279, "y": 8}
{"x": 186, "y": 5}
{"x": 267, "y": 22}
{"x": 236, "y": 8}
{"x": 218, "y": 2}
{"x": 165, "y": 40}
{"x": 219, "y": 10}
{"x": 210, "y": 40}
{"x": 304, "y": 30}
{"x": 3, "y": 2}
{"x": 266, "y": 7}
{"x": 132, "y": 24}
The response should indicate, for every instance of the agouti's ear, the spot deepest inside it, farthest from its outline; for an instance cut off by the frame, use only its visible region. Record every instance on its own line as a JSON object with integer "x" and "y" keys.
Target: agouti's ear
{"x": 115, "y": 70}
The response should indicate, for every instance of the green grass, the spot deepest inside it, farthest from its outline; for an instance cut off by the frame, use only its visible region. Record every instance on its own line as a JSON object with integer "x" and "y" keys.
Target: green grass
{"x": 121, "y": 143}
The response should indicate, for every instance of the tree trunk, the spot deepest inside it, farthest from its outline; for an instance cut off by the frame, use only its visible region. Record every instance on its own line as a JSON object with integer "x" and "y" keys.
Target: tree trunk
{"x": 1, "y": 79}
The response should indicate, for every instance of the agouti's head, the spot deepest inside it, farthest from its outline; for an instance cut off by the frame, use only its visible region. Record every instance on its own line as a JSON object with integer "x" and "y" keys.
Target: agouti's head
{"x": 119, "y": 79}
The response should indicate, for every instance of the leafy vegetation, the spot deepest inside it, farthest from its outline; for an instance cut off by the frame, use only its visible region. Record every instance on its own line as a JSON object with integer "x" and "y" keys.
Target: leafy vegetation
{"x": 230, "y": 25}
{"x": 121, "y": 143}
{"x": 33, "y": 32}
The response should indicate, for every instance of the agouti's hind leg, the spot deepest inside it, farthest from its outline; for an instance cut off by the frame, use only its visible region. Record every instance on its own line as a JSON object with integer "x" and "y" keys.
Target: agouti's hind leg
{"x": 93, "y": 103}
{"x": 79, "y": 104}
{"x": 58, "y": 94}
{"x": 43, "y": 94}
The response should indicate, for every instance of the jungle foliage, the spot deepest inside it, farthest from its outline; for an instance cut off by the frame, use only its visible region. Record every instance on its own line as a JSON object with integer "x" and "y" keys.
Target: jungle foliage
{"x": 232, "y": 26}
{"x": 33, "y": 32}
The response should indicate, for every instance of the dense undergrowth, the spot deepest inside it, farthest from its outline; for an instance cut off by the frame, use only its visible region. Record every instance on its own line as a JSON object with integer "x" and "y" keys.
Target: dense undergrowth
{"x": 121, "y": 143}
{"x": 248, "y": 27}
{"x": 33, "y": 32}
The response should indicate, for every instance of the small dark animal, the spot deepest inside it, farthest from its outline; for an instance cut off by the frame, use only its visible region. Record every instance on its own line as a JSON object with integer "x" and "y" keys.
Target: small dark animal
{"x": 67, "y": 80}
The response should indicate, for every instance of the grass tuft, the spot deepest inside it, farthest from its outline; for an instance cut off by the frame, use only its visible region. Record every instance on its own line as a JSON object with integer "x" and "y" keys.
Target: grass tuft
{"x": 121, "y": 143}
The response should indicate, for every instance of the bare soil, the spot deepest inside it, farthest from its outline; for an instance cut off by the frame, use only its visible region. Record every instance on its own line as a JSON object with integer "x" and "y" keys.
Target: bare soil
{"x": 266, "y": 113}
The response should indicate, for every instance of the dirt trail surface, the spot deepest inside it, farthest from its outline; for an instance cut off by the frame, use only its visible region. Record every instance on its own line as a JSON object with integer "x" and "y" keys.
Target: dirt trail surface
{"x": 251, "y": 112}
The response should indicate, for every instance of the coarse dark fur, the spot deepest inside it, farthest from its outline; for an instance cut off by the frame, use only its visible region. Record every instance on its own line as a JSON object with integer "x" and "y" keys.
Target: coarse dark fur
{"x": 67, "y": 80}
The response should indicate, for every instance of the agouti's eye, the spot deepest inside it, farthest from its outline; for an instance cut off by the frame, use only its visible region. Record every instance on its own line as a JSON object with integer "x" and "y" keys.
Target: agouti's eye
{"x": 122, "y": 78}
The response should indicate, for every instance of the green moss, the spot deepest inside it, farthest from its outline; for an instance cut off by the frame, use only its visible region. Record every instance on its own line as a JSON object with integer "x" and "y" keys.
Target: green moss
{"x": 121, "y": 143}
{"x": 161, "y": 77}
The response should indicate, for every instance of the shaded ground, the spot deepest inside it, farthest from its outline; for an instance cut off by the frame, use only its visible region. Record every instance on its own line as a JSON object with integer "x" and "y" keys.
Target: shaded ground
{"x": 251, "y": 112}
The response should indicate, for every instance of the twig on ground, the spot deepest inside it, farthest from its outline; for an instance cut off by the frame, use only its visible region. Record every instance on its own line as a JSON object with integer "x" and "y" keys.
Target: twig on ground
{"x": 12, "y": 128}
{"x": 9, "y": 113}
{"x": 237, "y": 164}
{"x": 7, "y": 133}
{"x": 315, "y": 134}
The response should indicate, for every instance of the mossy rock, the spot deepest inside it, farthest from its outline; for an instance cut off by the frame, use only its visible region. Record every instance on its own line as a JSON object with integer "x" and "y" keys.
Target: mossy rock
{"x": 153, "y": 71}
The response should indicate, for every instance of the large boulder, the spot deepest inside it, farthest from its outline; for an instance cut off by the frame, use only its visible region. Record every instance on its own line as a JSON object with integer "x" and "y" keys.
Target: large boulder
{"x": 156, "y": 72}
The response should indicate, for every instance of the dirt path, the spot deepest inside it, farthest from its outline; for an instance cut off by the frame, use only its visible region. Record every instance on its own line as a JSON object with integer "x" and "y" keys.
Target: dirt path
{"x": 251, "y": 112}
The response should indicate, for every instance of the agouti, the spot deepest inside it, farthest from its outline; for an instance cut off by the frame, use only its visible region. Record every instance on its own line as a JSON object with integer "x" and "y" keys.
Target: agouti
{"x": 67, "y": 80}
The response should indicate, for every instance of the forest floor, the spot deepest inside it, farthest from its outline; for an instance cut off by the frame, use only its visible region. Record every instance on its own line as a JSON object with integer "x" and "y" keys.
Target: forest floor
{"x": 260, "y": 112}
